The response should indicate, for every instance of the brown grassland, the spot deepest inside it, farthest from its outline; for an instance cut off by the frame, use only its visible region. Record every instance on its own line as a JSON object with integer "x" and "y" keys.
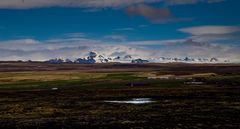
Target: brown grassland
{"x": 72, "y": 96}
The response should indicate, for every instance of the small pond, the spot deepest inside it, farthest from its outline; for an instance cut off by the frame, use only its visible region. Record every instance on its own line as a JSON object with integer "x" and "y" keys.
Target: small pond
{"x": 132, "y": 101}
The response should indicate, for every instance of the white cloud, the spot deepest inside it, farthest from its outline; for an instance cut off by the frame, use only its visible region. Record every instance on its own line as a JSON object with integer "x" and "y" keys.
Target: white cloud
{"x": 149, "y": 12}
{"x": 115, "y": 37}
{"x": 181, "y": 2}
{"x": 27, "y": 4}
{"x": 75, "y": 35}
{"x": 203, "y": 30}
{"x": 156, "y": 15}
{"x": 174, "y": 2}
{"x": 29, "y": 49}
{"x": 213, "y": 33}
{"x": 125, "y": 29}
{"x": 154, "y": 42}
{"x": 217, "y": 37}
{"x": 195, "y": 49}
{"x": 142, "y": 26}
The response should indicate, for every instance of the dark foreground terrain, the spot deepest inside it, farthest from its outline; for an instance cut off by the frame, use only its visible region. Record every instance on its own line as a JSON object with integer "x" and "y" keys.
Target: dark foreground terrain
{"x": 74, "y": 96}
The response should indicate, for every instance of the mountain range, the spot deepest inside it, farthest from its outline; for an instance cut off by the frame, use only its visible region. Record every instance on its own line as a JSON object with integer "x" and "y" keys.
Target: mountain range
{"x": 93, "y": 57}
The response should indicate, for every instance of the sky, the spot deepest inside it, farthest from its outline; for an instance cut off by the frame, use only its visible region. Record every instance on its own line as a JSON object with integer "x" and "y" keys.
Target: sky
{"x": 44, "y": 29}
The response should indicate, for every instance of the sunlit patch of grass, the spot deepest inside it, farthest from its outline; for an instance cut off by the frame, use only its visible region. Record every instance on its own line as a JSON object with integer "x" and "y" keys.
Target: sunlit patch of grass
{"x": 13, "y": 77}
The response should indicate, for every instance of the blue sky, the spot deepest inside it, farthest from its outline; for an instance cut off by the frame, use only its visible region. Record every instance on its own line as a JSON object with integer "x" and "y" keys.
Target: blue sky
{"x": 120, "y": 22}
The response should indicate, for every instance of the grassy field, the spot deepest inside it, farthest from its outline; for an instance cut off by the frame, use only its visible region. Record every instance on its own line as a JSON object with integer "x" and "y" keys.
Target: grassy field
{"x": 27, "y": 98}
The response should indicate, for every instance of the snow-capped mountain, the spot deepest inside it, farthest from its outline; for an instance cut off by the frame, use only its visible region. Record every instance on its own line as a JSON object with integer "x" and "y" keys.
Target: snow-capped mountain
{"x": 94, "y": 57}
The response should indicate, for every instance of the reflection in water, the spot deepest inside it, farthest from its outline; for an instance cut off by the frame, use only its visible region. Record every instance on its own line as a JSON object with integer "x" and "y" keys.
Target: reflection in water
{"x": 132, "y": 101}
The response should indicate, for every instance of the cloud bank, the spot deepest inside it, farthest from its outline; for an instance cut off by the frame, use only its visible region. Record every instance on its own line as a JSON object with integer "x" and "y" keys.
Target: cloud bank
{"x": 29, "y": 49}
{"x": 28, "y": 4}
{"x": 181, "y": 2}
{"x": 202, "y": 30}
{"x": 152, "y": 13}
{"x": 213, "y": 33}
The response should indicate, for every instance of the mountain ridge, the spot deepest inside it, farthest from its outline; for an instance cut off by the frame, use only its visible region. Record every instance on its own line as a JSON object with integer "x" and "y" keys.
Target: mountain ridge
{"x": 93, "y": 57}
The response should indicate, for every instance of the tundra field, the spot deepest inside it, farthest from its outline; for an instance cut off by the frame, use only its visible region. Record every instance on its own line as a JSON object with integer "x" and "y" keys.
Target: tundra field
{"x": 137, "y": 96}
